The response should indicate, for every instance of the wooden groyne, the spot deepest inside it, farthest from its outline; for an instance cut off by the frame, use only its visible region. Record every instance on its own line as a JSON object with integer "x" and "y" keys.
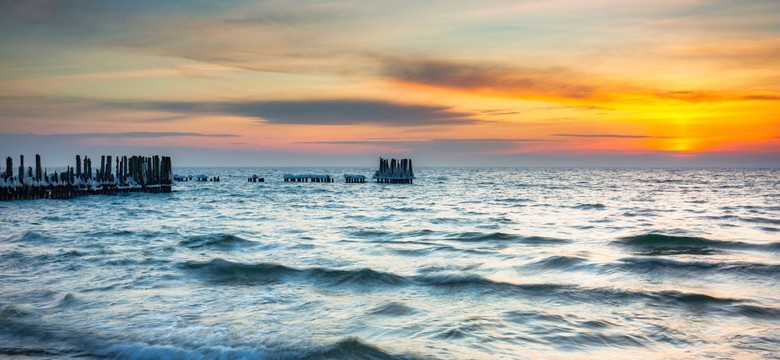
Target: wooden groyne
{"x": 308, "y": 178}
{"x": 354, "y": 179}
{"x": 134, "y": 174}
{"x": 255, "y": 179}
{"x": 199, "y": 177}
{"x": 392, "y": 171}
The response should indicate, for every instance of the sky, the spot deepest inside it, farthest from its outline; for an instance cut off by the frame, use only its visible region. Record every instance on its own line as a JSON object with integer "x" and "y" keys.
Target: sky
{"x": 686, "y": 83}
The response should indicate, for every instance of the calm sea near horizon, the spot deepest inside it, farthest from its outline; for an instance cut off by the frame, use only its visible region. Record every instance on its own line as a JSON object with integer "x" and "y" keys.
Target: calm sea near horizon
{"x": 462, "y": 264}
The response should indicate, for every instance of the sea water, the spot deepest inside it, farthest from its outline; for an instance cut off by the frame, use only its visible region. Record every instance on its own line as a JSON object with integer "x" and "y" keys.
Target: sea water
{"x": 462, "y": 264}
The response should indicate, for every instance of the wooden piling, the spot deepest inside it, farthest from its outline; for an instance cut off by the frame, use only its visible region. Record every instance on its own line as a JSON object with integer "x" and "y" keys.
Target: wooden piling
{"x": 21, "y": 168}
{"x": 154, "y": 175}
{"x": 394, "y": 171}
{"x": 38, "y": 172}
{"x": 9, "y": 168}
{"x": 78, "y": 167}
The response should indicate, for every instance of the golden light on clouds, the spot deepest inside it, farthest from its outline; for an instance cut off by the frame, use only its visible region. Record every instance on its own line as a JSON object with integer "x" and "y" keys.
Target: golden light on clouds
{"x": 339, "y": 77}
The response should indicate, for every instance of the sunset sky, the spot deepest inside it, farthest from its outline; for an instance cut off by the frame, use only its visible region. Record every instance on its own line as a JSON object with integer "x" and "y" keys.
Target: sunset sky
{"x": 463, "y": 83}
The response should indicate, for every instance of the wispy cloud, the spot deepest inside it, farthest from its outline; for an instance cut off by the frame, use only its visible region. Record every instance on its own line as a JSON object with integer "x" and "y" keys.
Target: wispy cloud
{"x": 613, "y": 136}
{"x": 415, "y": 142}
{"x": 696, "y": 96}
{"x": 137, "y": 135}
{"x": 762, "y": 97}
{"x": 541, "y": 83}
{"x": 152, "y": 135}
{"x": 444, "y": 147}
{"x": 550, "y": 82}
{"x": 322, "y": 112}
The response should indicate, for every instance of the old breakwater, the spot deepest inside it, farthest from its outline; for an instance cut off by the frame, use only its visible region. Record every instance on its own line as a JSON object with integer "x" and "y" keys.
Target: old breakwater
{"x": 392, "y": 171}
{"x": 129, "y": 174}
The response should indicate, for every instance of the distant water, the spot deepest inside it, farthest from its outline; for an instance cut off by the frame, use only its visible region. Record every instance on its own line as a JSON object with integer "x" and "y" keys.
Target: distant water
{"x": 463, "y": 264}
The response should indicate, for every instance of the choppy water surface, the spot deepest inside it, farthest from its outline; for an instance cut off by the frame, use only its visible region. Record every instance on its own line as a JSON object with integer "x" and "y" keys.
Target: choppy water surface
{"x": 465, "y": 263}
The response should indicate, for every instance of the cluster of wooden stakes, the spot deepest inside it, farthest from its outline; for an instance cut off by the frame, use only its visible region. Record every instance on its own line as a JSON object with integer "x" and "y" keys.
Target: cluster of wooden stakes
{"x": 152, "y": 174}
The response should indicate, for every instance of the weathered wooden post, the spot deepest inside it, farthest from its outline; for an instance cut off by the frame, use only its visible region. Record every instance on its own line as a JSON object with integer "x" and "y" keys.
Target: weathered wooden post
{"x": 78, "y": 167}
{"x": 9, "y": 167}
{"x": 21, "y": 168}
{"x": 156, "y": 164}
{"x": 124, "y": 180}
{"x": 108, "y": 169}
{"x": 38, "y": 172}
{"x": 101, "y": 174}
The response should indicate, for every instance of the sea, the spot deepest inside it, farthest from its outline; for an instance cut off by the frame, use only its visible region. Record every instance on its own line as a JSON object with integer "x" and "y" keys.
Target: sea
{"x": 466, "y": 263}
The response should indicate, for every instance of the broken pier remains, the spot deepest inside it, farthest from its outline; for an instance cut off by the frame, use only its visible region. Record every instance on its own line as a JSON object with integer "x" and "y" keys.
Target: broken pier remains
{"x": 392, "y": 171}
{"x": 134, "y": 174}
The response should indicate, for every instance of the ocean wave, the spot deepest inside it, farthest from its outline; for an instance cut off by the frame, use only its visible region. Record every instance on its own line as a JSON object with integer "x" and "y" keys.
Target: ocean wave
{"x": 33, "y": 352}
{"x": 217, "y": 241}
{"x": 526, "y": 316}
{"x": 464, "y": 328}
{"x": 596, "y": 206}
{"x": 69, "y": 300}
{"x": 568, "y": 293}
{"x": 31, "y": 339}
{"x": 559, "y": 262}
{"x": 387, "y": 236}
{"x": 708, "y": 303}
{"x": 393, "y": 309}
{"x": 16, "y": 260}
{"x": 29, "y": 237}
{"x": 433, "y": 247}
{"x": 750, "y": 219}
{"x": 11, "y": 311}
{"x": 660, "y": 244}
{"x": 514, "y": 200}
{"x": 224, "y": 271}
{"x": 220, "y": 270}
{"x": 504, "y": 237}
{"x": 227, "y": 272}
{"x": 655, "y": 264}
{"x": 584, "y": 340}
{"x": 370, "y": 234}
{"x": 571, "y": 332}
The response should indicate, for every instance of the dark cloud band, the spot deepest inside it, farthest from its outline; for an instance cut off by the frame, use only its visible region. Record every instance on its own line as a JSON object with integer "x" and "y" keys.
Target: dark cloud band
{"x": 323, "y": 112}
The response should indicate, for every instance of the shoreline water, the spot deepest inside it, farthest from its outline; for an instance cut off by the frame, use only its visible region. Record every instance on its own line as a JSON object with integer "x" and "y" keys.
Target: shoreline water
{"x": 513, "y": 263}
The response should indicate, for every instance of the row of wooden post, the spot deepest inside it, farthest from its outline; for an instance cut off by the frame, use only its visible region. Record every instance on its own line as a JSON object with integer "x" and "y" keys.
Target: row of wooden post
{"x": 308, "y": 178}
{"x": 134, "y": 174}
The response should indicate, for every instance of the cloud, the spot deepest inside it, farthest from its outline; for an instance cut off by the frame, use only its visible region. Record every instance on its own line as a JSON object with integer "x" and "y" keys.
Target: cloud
{"x": 281, "y": 112}
{"x": 561, "y": 84}
{"x": 613, "y": 136}
{"x": 495, "y": 78}
{"x": 694, "y": 96}
{"x": 762, "y": 97}
{"x": 414, "y": 142}
{"x": 322, "y": 112}
{"x": 136, "y": 135}
{"x": 146, "y": 135}
{"x": 574, "y": 107}
{"x": 442, "y": 147}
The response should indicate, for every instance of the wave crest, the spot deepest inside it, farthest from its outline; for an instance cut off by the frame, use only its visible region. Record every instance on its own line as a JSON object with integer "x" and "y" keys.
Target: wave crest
{"x": 224, "y": 271}
{"x": 660, "y": 244}
{"x": 216, "y": 241}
